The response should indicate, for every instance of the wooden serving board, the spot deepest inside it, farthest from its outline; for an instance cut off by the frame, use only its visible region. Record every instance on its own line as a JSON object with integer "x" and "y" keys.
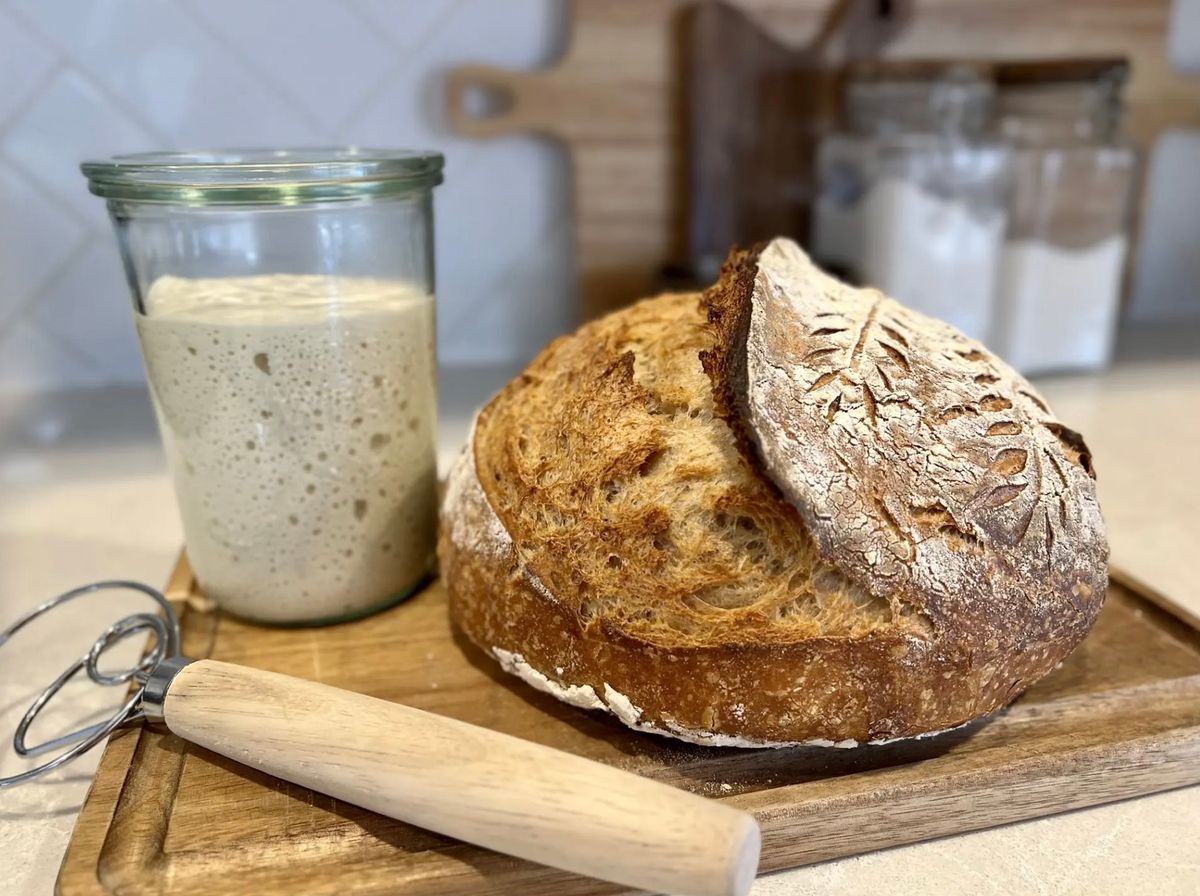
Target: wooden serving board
{"x": 1120, "y": 718}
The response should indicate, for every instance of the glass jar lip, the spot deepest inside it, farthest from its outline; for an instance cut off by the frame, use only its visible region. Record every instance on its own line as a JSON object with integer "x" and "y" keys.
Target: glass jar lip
{"x": 263, "y": 176}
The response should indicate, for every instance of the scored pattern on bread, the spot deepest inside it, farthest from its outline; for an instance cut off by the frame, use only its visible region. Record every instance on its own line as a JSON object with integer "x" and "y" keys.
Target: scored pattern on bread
{"x": 926, "y": 468}
{"x": 742, "y": 566}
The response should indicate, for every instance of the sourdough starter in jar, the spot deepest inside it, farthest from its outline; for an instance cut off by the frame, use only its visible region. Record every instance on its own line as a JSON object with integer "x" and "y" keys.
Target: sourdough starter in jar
{"x": 297, "y": 413}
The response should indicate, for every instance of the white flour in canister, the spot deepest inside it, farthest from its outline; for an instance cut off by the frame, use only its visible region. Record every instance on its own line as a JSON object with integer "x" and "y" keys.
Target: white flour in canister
{"x": 937, "y": 255}
{"x": 1056, "y": 308}
{"x": 297, "y": 413}
{"x": 837, "y": 213}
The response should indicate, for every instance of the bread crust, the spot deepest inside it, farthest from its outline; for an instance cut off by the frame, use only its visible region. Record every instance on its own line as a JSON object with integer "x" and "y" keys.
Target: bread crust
{"x": 823, "y": 691}
{"x": 947, "y": 660}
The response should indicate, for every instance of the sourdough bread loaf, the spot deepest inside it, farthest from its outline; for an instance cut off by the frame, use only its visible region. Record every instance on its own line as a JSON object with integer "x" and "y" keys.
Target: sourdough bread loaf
{"x": 784, "y": 511}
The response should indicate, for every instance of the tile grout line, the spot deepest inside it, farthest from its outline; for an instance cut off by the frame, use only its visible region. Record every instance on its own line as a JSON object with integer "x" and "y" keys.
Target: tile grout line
{"x": 24, "y": 311}
{"x": 79, "y": 352}
{"x": 93, "y": 363}
{"x": 401, "y": 65}
{"x": 66, "y": 62}
{"x": 556, "y": 223}
{"x": 96, "y": 83}
{"x": 58, "y": 62}
{"x": 36, "y": 185}
{"x": 263, "y": 76}
{"x": 60, "y": 65}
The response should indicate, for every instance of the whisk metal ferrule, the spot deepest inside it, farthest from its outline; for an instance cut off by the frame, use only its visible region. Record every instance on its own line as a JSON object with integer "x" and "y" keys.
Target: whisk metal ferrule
{"x": 154, "y": 694}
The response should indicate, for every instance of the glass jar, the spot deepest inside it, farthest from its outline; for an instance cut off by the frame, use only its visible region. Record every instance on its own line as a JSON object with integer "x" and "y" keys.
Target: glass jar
{"x": 1064, "y": 255}
{"x": 912, "y": 191}
{"x": 284, "y": 302}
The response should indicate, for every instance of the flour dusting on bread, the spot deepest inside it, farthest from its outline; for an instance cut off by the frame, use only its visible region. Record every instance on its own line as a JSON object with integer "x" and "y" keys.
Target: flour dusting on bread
{"x": 473, "y": 523}
{"x": 917, "y": 458}
{"x": 616, "y": 703}
{"x": 582, "y": 696}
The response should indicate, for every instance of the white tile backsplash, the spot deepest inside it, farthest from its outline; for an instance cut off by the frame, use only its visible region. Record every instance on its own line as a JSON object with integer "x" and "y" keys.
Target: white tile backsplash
{"x": 88, "y": 309}
{"x": 517, "y": 294}
{"x": 323, "y": 70}
{"x": 36, "y": 237}
{"x": 32, "y": 360}
{"x": 408, "y": 24}
{"x": 516, "y": 33}
{"x": 1168, "y": 270}
{"x": 25, "y": 61}
{"x": 166, "y": 67}
{"x": 1183, "y": 35}
{"x": 80, "y": 80}
{"x": 71, "y": 120}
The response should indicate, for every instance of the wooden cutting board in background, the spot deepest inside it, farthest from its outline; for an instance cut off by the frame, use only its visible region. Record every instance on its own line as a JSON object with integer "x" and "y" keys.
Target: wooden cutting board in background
{"x": 1119, "y": 719}
{"x": 615, "y": 100}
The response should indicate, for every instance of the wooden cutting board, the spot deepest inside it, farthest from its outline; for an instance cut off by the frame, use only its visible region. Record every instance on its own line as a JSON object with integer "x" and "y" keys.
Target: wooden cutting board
{"x": 615, "y": 99}
{"x": 1120, "y": 718}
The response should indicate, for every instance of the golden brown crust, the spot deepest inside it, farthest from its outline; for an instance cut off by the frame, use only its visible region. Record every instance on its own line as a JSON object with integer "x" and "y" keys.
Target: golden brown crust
{"x": 628, "y": 499}
{"x": 611, "y": 527}
{"x": 878, "y": 687}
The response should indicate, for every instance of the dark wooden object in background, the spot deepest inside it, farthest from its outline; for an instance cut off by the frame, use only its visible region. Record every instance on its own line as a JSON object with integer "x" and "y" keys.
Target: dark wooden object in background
{"x": 754, "y": 112}
{"x": 1120, "y": 718}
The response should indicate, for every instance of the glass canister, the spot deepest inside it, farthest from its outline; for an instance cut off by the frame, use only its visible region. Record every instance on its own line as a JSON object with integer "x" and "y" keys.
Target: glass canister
{"x": 284, "y": 302}
{"x": 913, "y": 190}
{"x": 1063, "y": 261}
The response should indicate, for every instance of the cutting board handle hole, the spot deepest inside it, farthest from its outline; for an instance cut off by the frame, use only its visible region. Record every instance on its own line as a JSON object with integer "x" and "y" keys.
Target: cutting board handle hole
{"x": 481, "y": 101}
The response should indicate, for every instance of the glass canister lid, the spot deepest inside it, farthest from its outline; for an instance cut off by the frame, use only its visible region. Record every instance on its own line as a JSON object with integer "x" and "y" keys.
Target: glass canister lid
{"x": 918, "y": 96}
{"x": 1057, "y": 100}
{"x": 263, "y": 176}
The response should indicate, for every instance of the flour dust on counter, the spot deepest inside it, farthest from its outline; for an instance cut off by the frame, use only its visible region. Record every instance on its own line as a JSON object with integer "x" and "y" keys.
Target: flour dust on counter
{"x": 297, "y": 415}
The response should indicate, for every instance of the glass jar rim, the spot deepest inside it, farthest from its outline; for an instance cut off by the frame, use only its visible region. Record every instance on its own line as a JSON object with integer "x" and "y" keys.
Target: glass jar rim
{"x": 263, "y": 176}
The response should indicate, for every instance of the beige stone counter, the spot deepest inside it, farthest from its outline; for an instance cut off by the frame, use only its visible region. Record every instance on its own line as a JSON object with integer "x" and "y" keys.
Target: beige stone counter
{"x": 84, "y": 495}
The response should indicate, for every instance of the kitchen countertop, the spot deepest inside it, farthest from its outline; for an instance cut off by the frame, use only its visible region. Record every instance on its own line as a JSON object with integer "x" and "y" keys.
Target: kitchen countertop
{"x": 84, "y": 495}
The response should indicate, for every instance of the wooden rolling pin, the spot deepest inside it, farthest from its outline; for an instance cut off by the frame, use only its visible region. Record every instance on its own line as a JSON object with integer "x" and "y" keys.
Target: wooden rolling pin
{"x": 461, "y": 780}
